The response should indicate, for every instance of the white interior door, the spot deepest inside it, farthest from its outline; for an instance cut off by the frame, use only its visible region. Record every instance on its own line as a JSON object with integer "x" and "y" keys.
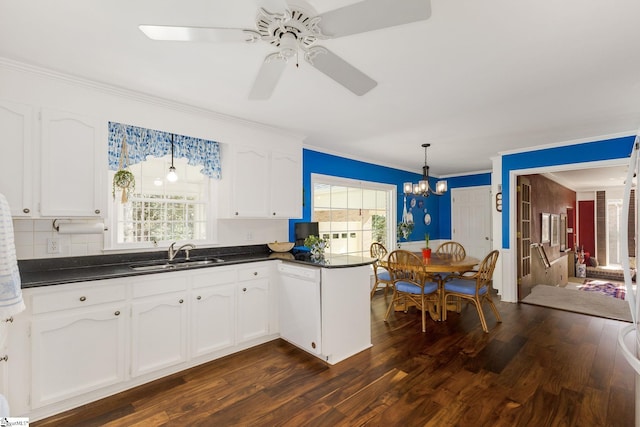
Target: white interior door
{"x": 471, "y": 219}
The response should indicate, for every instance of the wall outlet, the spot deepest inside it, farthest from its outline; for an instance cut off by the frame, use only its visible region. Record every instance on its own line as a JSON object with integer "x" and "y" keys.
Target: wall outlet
{"x": 53, "y": 245}
{"x": 249, "y": 236}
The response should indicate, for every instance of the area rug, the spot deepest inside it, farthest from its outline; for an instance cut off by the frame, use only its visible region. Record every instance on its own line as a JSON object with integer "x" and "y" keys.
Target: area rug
{"x": 604, "y": 288}
{"x": 579, "y": 302}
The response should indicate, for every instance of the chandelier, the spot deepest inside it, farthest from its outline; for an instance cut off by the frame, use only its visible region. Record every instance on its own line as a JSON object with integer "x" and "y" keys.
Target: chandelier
{"x": 422, "y": 188}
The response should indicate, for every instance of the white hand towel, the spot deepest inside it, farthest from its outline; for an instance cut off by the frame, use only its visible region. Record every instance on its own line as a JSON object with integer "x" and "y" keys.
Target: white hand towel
{"x": 10, "y": 293}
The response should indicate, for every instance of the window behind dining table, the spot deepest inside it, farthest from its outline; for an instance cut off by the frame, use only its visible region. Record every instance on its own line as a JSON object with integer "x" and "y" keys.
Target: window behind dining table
{"x": 352, "y": 214}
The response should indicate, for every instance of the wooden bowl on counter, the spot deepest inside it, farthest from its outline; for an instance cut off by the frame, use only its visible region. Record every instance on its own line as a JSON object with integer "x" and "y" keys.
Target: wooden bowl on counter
{"x": 281, "y": 246}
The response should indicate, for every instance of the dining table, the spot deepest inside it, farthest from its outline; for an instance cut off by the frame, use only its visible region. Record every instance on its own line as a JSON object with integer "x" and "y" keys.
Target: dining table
{"x": 440, "y": 265}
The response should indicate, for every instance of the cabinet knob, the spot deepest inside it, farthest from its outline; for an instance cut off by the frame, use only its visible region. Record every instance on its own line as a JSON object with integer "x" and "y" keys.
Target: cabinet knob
{"x": 97, "y": 211}
{"x": 181, "y": 301}
{"x": 255, "y": 273}
{"x": 117, "y": 313}
{"x": 26, "y": 210}
{"x": 9, "y": 320}
{"x": 198, "y": 297}
{"x": 4, "y": 358}
{"x": 313, "y": 344}
{"x": 273, "y": 213}
{"x": 236, "y": 213}
{"x": 83, "y": 299}
{"x": 244, "y": 289}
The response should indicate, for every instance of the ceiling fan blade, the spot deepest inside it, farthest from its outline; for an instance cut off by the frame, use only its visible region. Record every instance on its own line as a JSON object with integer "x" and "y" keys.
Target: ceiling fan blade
{"x": 198, "y": 34}
{"x": 339, "y": 70}
{"x": 268, "y": 77}
{"x": 369, "y": 15}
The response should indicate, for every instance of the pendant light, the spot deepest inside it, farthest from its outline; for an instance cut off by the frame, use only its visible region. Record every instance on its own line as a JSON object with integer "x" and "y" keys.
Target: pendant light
{"x": 422, "y": 188}
{"x": 172, "y": 176}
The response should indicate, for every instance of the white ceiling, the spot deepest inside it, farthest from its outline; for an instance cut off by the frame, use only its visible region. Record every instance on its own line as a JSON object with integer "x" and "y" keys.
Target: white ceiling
{"x": 475, "y": 79}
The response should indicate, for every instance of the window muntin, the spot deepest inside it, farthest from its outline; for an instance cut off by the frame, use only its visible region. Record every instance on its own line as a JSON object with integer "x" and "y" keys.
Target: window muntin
{"x": 353, "y": 214}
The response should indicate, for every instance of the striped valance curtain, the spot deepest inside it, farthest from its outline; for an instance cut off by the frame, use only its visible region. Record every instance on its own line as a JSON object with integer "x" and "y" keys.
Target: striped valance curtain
{"x": 142, "y": 142}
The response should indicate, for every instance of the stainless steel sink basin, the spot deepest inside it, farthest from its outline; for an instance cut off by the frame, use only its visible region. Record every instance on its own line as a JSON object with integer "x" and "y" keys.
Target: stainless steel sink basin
{"x": 174, "y": 265}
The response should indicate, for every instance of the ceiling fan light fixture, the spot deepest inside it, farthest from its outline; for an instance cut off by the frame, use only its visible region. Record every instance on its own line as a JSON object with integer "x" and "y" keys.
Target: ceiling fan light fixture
{"x": 288, "y": 45}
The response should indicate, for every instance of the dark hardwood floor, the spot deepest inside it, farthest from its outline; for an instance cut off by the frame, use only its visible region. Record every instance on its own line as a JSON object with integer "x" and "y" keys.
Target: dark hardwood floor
{"x": 540, "y": 367}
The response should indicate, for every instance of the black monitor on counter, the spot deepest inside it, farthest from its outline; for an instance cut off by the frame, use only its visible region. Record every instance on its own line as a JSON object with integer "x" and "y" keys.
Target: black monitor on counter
{"x": 304, "y": 230}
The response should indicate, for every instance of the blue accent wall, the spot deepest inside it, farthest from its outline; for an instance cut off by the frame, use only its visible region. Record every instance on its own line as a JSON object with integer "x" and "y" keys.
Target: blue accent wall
{"x": 610, "y": 149}
{"x": 439, "y": 207}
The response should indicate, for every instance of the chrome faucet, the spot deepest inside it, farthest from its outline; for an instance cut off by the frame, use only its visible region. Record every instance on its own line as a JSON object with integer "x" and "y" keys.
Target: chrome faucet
{"x": 187, "y": 247}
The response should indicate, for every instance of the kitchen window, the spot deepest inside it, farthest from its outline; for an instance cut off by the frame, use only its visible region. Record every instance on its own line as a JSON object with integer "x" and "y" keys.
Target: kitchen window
{"x": 158, "y": 211}
{"x": 352, "y": 214}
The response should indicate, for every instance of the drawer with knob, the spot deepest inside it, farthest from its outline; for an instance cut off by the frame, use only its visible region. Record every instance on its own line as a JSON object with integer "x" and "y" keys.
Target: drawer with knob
{"x": 77, "y": 296}
{"x": 252, "y": 273}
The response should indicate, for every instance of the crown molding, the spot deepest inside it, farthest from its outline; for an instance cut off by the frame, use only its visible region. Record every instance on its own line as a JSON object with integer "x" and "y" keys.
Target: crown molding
{"x": 47, "y": 73}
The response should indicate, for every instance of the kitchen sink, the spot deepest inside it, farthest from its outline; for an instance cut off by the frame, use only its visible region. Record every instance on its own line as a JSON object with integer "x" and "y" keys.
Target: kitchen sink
{"x": 174, "y": 265}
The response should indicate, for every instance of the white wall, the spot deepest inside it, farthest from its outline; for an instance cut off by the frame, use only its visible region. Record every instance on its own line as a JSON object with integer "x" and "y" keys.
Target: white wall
{"x": 42, "y": 88}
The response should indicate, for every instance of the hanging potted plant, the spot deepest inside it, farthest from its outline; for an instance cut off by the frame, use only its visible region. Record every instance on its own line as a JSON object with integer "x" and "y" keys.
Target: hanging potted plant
{"x": 404, "y": 229}
{"x": 125, "y": 181}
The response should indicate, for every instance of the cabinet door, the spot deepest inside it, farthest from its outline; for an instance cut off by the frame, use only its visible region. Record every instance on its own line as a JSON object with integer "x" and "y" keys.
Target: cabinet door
{"x": 250, "y": 183}
{"x": 213, "y": 319}
{"x": 4, "y": 359}
{"x": 286, "y": 185}
{"x": 77, "y": 353}
{"x": 74, "y": 165}
{"x": 253, "y": 309}
{"x": 159, "y": 333}
{"x": 16, "y": 182}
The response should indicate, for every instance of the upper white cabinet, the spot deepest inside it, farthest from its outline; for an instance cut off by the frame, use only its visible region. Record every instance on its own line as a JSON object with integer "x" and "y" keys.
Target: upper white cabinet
{"x": 16, "y": 140}
{"x": 74, "y": 165}
{"x": 250, "y": 182}
{"x": 286, "y": 185}
{"x": 262, "y": 183}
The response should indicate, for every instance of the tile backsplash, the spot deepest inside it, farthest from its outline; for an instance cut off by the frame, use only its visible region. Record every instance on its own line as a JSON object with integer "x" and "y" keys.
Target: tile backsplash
{"x": 31, "y": 240}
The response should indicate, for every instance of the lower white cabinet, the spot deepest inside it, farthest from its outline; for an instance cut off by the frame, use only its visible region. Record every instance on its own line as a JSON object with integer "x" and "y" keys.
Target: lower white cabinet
{"x": 4, "y": 356}
{"x": 253, "y": 302}
{"x": 213, "y": 311}
{"x": 69, "y": 360}
{"x": 158, "y": 333}
{"x": 78, "y": 340}
{"x": 92, "y": 339}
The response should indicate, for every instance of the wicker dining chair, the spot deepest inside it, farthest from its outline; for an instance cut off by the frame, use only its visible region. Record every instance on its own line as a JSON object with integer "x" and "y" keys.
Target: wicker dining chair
{"x": 381, "y": 274}
{"x": 454, "y": 249}
{"x": 474, "y": 287}
{"x": 412, "y": 285}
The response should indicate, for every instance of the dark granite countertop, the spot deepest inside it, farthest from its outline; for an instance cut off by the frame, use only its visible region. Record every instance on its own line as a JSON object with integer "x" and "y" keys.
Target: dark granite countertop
{"x": 56, "y": 271}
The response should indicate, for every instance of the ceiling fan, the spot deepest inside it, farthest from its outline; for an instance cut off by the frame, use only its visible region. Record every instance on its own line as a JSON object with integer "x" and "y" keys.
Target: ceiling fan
{"x": 297, "y": 30}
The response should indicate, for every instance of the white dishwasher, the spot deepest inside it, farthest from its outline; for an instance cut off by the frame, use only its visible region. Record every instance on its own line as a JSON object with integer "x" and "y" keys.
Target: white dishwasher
{"x": 299, "y": 309}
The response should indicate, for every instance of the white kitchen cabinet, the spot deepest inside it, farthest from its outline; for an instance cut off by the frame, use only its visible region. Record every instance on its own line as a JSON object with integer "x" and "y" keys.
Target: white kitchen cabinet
{"x": 158, "y": 323}
{"x": 78, "y": 337}
{"x": 262, "y": 183}
{"x": 253, "y": 302}
{"x": 17, "y": 171}
{"x": 286, "y": 185}
{"x": 74, "y": 165}
{"x": 250, "y": 194}
{"x": 213, "y": 311}
{"x": 4, "y": 356}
